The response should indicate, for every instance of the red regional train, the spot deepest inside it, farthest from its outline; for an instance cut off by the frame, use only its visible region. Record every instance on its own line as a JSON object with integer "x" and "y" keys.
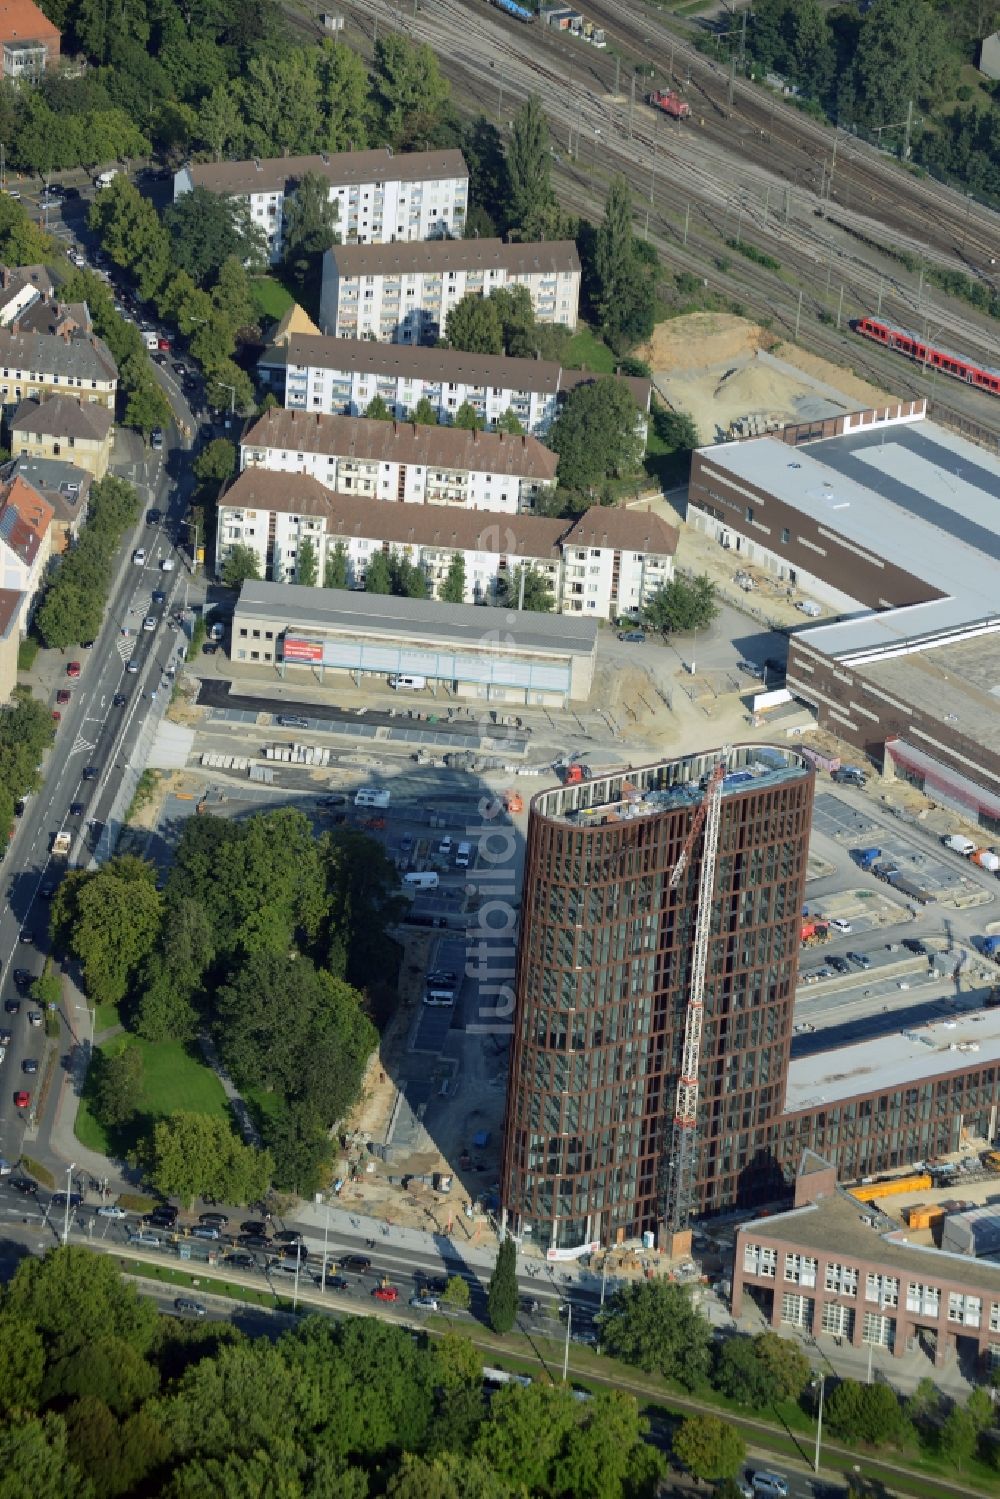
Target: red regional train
{"x": 929, "y": 355}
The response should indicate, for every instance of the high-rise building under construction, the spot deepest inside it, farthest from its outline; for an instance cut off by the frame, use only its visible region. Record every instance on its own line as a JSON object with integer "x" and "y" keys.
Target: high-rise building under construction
{"x": 656, "y": 975}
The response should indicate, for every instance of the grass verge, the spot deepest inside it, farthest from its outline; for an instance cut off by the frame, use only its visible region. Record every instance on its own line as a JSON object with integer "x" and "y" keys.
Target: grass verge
{"x": 43, "y": 1176}
{"x": 585, "y": 348}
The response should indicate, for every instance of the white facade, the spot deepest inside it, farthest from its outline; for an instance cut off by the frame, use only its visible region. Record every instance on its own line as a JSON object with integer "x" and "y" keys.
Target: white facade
{"x": 588, "y": 569}
{"x": 380, "y": 197}
{"x": 405, "y": 297}
{"x": 342, "y": 376}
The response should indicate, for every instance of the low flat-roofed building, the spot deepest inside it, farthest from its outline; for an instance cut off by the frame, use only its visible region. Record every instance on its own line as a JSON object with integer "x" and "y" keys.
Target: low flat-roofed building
{"x": 832, "y": 1267}
{"x": 403, "y": 462}
{"x": 380, "y": 197}
{"x": 403, "y": 293}
{"x": 341, "y": 376}
{"x": 541, "y": 659}
{"x": 607, "y": 563}
{"x": 891, "y": 522}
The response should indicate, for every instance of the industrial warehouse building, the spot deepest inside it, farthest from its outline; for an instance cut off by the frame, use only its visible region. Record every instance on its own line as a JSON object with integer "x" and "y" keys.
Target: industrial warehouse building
{"x": 402, "y": 462}
{"x": 607, "y": 563}
{"x": 340, "y": 376}
{"x": 490, "y": 656}
{"x": 892, "y": 522}
{"x": 380, "y": 197}
{"x": 404, "y": 293}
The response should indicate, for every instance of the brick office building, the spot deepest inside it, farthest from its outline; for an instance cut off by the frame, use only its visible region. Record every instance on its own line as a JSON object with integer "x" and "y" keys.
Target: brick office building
{"x": 836, "y": 1267}
{"x": 602, "y": 984}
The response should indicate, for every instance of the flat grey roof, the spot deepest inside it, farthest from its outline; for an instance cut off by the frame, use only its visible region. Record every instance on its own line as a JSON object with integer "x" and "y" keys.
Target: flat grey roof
{"x": 912, "y": 493}
{"x": 884, "y": 1063}
{"x": 339, "y": 611}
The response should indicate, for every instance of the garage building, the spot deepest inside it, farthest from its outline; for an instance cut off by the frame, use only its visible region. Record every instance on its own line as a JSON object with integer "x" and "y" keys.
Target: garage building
{"x": 490, "y": 655}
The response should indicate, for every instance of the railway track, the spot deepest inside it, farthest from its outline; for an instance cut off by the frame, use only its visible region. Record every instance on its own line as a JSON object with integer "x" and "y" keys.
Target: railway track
{"x": 494, "y": 63}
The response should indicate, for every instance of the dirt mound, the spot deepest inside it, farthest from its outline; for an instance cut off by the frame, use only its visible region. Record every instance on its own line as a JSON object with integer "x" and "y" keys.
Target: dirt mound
{"x": 701, "y": 339}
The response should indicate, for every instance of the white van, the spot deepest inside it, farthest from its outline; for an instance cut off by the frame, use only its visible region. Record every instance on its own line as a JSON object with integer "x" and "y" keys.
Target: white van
{"x": 105, "y": 179}
{"x": 371, "y": 796}
{"x": 463, "y": 856}
{"x": 960, "y": 844}
{"x": 423, "y": 880}
{"x": 415, "y": 684}
{"x": 151, "y": 339}
{"x": 838, "y": 924}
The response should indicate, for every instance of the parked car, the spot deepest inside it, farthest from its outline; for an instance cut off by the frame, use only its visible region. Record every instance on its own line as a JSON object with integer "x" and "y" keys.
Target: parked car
{"x": 29, "y": 1065}
{"x": 24, "y": 1185}
{"x": 12, "y": 1006}
{"x": 219, "y": 1220}
{"x": 385, "y": 1293}
{"x": 426, "y": 1303}
{"x": 59, "y": 1199}
{"x": 633, "y": 637}
{"x": 860, "y": 958}
{"x": 63, "y": 695}
{"x": 241, "y": 1261}
{"x": 333, "y": 1282}
{"x": 188, "y": 1307}
{"x": 73, "y": 668}
{"x": 112, "y": 1211}
{"x": 359, "y": 1263}
{"x": 839, "y": 965}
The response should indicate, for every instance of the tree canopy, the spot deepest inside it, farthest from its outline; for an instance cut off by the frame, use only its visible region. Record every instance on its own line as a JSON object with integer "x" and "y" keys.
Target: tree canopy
{"x": 655, "y": 1326}
{"x": 596, "y": 434}
{"x": 682, "y": 604}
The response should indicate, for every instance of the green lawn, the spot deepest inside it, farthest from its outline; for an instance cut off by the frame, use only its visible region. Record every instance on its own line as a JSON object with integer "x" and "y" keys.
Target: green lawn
{"x": 271, "y": 299}
{"x": 174, "y": 1078}
{"x": 105, "y": 1016}
{"x": 585, "y": 348}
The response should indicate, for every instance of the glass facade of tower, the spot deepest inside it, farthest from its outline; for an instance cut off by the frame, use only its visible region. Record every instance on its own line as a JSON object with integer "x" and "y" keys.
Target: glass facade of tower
{"x": 603, "y": 978}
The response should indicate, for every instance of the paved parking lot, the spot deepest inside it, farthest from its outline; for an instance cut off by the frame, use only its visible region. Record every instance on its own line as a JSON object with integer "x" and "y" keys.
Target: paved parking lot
{"x": 436, "y": 1021}
{"x": 940, "y": 872}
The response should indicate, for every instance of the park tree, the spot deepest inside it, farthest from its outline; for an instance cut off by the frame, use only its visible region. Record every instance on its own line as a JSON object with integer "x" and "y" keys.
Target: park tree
{"x": 468, "y": 418}
{"x": 523, "y": 587}
{"x": 198, "y": 1155}
{"x": 22, "y": 1364}
{"x": 228, "y": 387}
{"x": 501, "y": 1296}
{"x": 216, "y": 462}
{"x": 529, "y": 166}
{"x": 624, "y": 283}
{"x": 864, "y": 1413}
{"x": 206, "y": 228}
{"x": 147, "y": 406}
{"x": 335, "y": 568}
{"x": 742, "y": 1375}
{"x": 240, "y": 566}
{"x": 307, "y": 564}
{"x": 682, "y": 604}
{"x": 903, "y": 57}
{"x": 788, "y": 1368}
{"x": 345, "y": 112}
{"x": 452, "y": 590}
{"x": 309, "y": 227}
{"x": 709, "y": 1447}
{"x": 424, "y": 413}
{"x": 596, "y": 434}
{"x": 409, "y": 93}
{"x": 35, "y": 1458}
{"x": 456, "y": 1293}
{"x": 118, "y": 1085}
{"x": 958, "y": 1437}
{"x": 109, "y": 920}
{"x": 73, "y": 1298}
{"x": 656, "y": 1327}
{"x": 377, "y": 410}
{"x": 474, "y": 325}
{"x": 232, "y": 294}
{"x": 378, "y": 574}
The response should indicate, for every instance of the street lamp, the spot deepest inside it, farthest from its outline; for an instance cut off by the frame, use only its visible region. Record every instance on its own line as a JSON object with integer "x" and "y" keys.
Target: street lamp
{"x": 819, "y": 1421}
{"x": 69, "y": 1187}
{"x": 232, "y": 395}
{"x": 593, "y": 158}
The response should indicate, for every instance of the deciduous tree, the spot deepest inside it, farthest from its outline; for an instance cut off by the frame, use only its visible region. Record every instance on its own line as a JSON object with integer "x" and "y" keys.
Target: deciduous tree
{"x": 529, "y": 168}
{"x": 409, "y": 92}
{"x": 119, "y": 1084}
{"x": 468, "y": 418}
{"x": 457, "y": 1293}
{"x": 335, "y": 568}
{"x": 424, "y": 413}
{"x": 474, "y": 325}
{"x": 196, "y": 1155}
{"x": 378, "y": 574}
{"x": 864, "y": 1413}
{"x": 523, "y": 587}
{"x": 710, "y": 1447}
{"x": 595, "y": 434}
{"x": 656, "y": 1327}
{"x": 307, "y": 564}
{"x": 452, "y": 590}
{"x": 309, "y": 227}
{"x": 109, "y": 920}
{"x": 377, "y": 410}
{"x": 239, "y": 566}
{"x": 216, "y": 462}
{"x": 682, "y": 604}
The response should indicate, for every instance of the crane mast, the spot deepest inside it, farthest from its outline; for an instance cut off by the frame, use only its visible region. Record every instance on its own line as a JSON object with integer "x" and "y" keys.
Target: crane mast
{"x": 679, "y": 1196}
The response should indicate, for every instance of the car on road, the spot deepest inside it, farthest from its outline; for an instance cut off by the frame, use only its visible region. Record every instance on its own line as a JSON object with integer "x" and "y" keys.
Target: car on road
{"x": 73, "y": 668}
{"x": 253, "y": 1241}
{"x": 333, "y": 1282}
{"x": 12, "y": 1006}
{"x": 156, "y": 439}
{"x": 3, "y": 1055}
{"x": 149, "y": 623}
{"x": 633, "y": 637}
{"x": 240, "y": 1261}
{"x": 915, "y": 946}
{"x": 180, "y": 370}
{"x": 58, "y": 1199}
{"x": 48, "y": 890}
{"x": 293, "y": 721}
{"x": 385, "y": 1293}
{"x": 29, "y": 1065}
{"x": 76, "y": 809}
{"x": 427, "y": 1303}
{"x": 5, "y": 1167}
{"x": 22, "y": 978}
{"x": 139, "y": 556}
{"x": 188, "y": 1307}
{"x": 159, "y": 357}
{"x": 164, "y": 1213}
{"x": 168, "y": 564}
{"x": 159, "y": 597}
{"x": 288, "y": 1236}
{"x": 860, "y": 958}
{"x": 163, "y": 344}
{"x": 34, "y": 1017}
{"x": 91, "y": 772}
{"x": 56, "y": 716}
{"x": 152, "y": 517}
{"x": 63, "y": 695}
{"x": 132, "y": 666}
{"x": 24, "y": 1185}
{"x": 219, "y": 1220}
{"x": 119, "y": 700}
{"x": 6, "y": 1036}
{"x": 28, "y": 938}
{"x": 22, "y": 1098}
{"x": 359, "y": 1263}
{"x": 254, "y": 1226}
{"x": 209, "y": 648}
{"x": 112, "y": 1211}
{"x": 839, "y": 965}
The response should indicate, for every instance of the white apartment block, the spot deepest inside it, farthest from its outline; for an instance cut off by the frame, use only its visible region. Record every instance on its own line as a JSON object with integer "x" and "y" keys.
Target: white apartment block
{"x": 397, "y": 461}
{"x": 380, "y": 197}
{"x": 341, "y": 376}
{"x": 607, "y": 564}
{"x": 404, "y": 293}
